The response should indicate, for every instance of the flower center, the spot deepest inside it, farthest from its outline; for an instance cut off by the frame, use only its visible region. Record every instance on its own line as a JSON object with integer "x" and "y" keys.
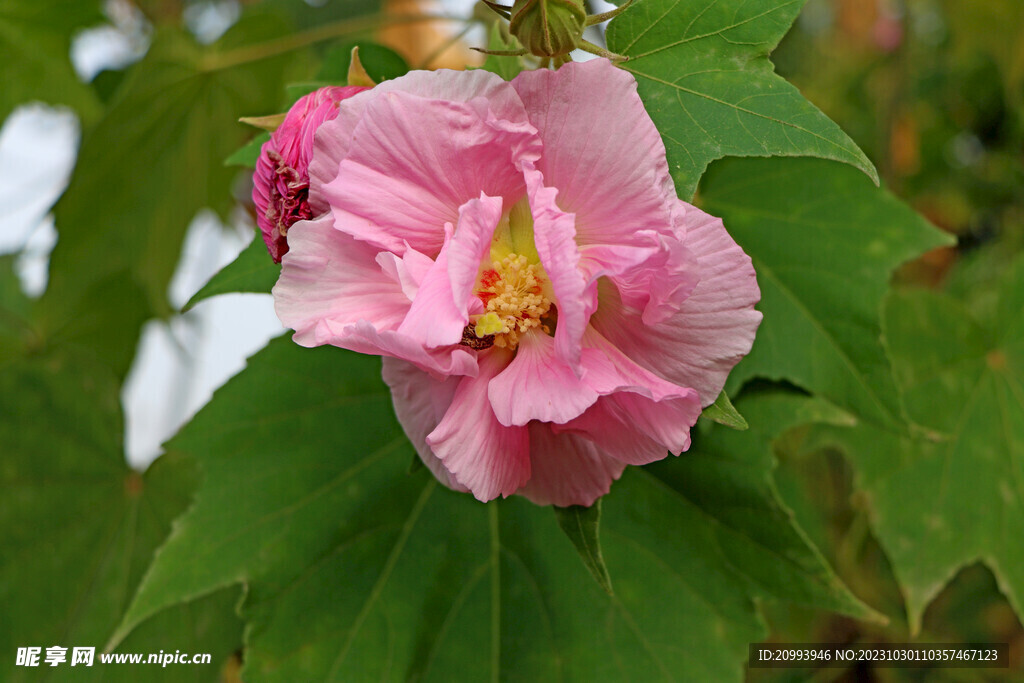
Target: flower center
{"x": 513, "y": 296}
{"x": 513, "y": 287}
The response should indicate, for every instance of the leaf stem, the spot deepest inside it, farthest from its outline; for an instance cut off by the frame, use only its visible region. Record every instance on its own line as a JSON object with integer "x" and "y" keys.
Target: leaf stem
{"x": 337, "y": 29}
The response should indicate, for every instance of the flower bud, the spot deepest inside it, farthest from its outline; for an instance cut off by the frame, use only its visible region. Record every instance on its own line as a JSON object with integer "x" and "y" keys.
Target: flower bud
{"x": 281, "y": 180}
{"x": 548, "y": 28}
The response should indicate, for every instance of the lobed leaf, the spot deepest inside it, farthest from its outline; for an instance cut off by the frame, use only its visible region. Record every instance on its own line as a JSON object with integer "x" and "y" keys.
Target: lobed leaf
{"x": 824, "y": 243}
{"x": 35, "y": 49}
{"x": 144, "y": 171}
{"x": 78, "y": 528}
{"x": 356, "y": 569}
{"x": 952, "y": 494}
{"x": 703, "y": 72}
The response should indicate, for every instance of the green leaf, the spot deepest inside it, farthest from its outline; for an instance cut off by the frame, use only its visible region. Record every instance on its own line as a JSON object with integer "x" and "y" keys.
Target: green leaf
{"x": 356, "y": 571}
{"x": 253, "y": 271}
{"x": 955, "y": 494}
{"x": 381, "y": 63}
{"x": 247, "y": 154}
{"x": 723, "y": 412}
{"x": 703, "y": 72}
{"x": 824, "y": 243}
{"x": 16, "y": 331}
{"x": 35, "y": 49}
{"x": 500, "y": 40}
{"x": 78, "y": 527}
{"x": 581, "y": 525}
{"x": 991, "y": 28}
{"x": 143, "y": 173}
{"x": 726, "y": 479}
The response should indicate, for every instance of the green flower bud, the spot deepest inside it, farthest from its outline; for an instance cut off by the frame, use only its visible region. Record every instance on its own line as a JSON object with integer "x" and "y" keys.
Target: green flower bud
{"x": 548, "y": 28}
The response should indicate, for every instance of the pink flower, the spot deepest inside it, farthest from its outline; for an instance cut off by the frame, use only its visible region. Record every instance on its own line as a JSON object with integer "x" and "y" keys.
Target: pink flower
{"x": 547, "y": 308}
{"x": 281, "y": 181}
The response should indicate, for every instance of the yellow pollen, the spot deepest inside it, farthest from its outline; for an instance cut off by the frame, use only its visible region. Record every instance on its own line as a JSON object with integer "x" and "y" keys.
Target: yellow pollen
{"x": 513, "y": 296}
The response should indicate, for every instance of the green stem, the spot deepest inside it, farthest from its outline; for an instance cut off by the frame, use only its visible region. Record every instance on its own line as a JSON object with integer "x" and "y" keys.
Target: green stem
{"x": 337, "y": 29}
{"x": 439, "y": 50}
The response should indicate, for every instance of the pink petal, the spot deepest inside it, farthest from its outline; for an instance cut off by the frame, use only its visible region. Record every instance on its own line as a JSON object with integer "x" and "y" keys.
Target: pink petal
{"x": 363, "y": 337}
{"x": 329, "y": 275}
{"x": 713, "y": 328}
{"x": 433, "y": 318}
{"x": 440, "y": 311}
{"x": 639, "y": 416}
{"x": 554, "y": 234}
{"x": 607, "y": 161}
{"x": 635, "y": 429}
{"x": 408, "y": 270}
{"x": 567, "y": 469}
{"x": 472, "y": 241}
{"x": 537, "y": 385}
{"x": 603, "y": 424}
{"x": 332, "y": 141}
{"x": 398, "y": 185}
{"x": 482, "y": 454}
{"x": 420, "y": 403}
{"x": 655, "y": 277}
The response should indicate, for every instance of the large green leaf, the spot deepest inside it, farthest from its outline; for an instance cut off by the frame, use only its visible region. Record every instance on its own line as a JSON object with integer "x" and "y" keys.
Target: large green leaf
{"x": 356, "y": 570}
{"x": 824, "y": 242}
{"x": 78, "y": 528}
{"x": 15, "y": 312}
{"x": 35, "y": 49}
{"x": 955, "y": 495}
{"x": 703, "y": 73}
{"x": 727, "y": 478}
{"x": 143, "y": 172}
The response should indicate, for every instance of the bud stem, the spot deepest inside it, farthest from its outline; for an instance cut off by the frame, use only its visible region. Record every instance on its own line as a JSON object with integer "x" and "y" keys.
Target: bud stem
{"x": 611, "y": 14}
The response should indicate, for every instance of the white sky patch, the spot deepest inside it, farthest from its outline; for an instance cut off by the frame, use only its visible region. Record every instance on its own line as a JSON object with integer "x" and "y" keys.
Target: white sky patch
{"x": 38, "y": 147}
{"x": 111, "y": 46}
{"x": 209, "y": 19}
{"x": 180, "y": 362}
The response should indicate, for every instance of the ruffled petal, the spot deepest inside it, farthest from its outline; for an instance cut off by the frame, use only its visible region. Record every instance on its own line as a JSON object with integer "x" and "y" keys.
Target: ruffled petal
{"x": 329, "y": 275}
{"x": 433, "y": 318}
{"x": 362, "y": 337}
{"x": 420, "y": 403}
{"x": 441, "y": 308}
{"x": 408, "y": 270}
{"x": 397, "y": 185}
{"x": 603, "y": 424}
{"x": 635, "y": 429}
{"x": 713, "y": 328}
{"x": 639, "y": 416}
{"x": 333, "y": 138}
{"x": 472, "y": 241}
{"x": 608, "y": 162}
{"x": 537, "y": 385}
{"x": 481, "y": 453}
{"x": 554, "y": 235}
{"x": 567, "y": 469}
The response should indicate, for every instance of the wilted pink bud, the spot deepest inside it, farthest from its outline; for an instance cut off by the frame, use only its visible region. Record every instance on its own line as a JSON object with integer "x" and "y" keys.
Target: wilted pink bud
{"x": 281, "y": 181}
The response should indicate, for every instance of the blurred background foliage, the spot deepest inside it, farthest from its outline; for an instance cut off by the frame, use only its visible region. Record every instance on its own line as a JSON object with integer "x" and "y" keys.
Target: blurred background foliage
{"x": 932, "y": 90}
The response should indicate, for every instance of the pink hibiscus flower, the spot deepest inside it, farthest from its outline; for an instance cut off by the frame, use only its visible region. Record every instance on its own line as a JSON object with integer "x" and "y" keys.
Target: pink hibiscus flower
{"x": 281, "y": 180}
{"x": 547, "y": 308}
